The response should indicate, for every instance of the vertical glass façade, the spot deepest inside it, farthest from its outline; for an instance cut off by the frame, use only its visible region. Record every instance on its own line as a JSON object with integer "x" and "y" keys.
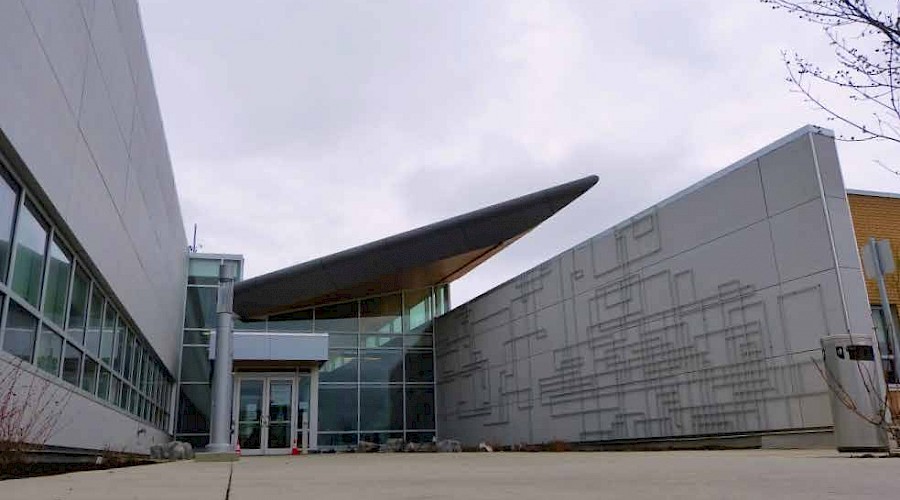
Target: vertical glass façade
{"x": 54, "y": 316}
{"x": 377, "y": 384}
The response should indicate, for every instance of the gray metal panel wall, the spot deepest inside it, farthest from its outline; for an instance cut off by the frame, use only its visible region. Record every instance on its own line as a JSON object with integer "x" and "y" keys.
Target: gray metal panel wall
{"x": 698, "y": 316}
{"x": 78, "y": 104}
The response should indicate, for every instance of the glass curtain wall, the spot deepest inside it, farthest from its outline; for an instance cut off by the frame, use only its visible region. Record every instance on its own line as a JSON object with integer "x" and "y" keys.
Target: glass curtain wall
{"x": 195, "y": 378}
{"x": 378, "y": 382}
{"x": 56, "y": 317}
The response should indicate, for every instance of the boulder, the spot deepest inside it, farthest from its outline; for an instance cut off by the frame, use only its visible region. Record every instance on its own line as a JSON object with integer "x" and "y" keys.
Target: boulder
{"x": 449, "y": 446}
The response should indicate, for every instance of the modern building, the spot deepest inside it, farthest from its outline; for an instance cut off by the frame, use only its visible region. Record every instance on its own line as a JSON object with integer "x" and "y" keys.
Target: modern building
{"x": 698, "y": 317}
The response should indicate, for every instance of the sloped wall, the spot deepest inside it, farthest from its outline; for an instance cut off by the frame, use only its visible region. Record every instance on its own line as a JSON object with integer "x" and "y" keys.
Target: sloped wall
{"x": 698, "y": 316}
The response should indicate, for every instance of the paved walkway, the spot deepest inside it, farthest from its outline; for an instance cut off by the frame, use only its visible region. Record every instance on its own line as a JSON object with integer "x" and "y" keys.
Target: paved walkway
{"x": 753, "y": 474}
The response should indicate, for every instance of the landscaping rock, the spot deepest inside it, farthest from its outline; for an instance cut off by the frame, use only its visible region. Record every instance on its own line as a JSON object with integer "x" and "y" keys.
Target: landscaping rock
{"x": 449, "y": 446}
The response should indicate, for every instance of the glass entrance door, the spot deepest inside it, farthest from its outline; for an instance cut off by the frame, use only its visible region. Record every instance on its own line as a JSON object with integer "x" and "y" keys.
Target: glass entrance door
{"x": 264, "y": 412}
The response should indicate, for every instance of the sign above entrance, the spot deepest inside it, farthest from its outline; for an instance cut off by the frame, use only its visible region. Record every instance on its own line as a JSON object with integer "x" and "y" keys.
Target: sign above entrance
{"x": 259, "y": 346}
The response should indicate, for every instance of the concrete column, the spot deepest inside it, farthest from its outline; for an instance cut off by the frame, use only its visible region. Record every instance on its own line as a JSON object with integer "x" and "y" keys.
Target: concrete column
{"x": 222, "y": 384}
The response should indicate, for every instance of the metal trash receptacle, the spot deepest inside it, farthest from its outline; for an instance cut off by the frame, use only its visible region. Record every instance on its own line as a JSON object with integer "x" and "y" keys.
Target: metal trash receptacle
{"x": 855, "y": 379}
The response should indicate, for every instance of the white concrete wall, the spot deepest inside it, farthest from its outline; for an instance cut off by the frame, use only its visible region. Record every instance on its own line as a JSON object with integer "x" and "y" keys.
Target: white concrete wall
{"x": 78, "y": 105}
{"x": 82, "y": 422}
{"x": 698, "y": 316}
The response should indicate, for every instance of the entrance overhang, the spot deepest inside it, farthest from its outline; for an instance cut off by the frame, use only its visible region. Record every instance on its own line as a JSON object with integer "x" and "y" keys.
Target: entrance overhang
{"x": 281, "y": 346}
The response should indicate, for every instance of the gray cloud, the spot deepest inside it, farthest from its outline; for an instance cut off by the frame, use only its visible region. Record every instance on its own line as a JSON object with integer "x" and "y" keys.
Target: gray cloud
{"x": 329, "y": 124}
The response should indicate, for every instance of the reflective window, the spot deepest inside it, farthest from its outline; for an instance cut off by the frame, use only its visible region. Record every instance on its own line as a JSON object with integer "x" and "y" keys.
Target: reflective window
{"x": 342, "y": 340}
{"x": 128, "y": 360}
{"x": 121, "y": 336}
{"x": 71, "y": 371}
{"x": 21, "y": 328}
{"x": 200, "y": 308}
{"x": 89, "y": 375}
{"x": 381, "y": 314}
{"x": 337, "y": 408}
{"x": 78, "y": 306}
{"x": 113, "y": 389}
{"x": 370, "y": 341}
{"x": 103, "y": 383}
{"x": 417, "y": 309}
{"x": 195, "y": 365}
{"x": 250, "y": 325}
{"x": 49, "y": 351}
{"x": 203, "y": 272}
{"x": 420, "y": 408}
{"x": 338, "y": 318}
{"x": 9, "y": 195}
{"x": 381, "y": 366}
{"x": 95, "y": 320}
{"x": 381, "y": 408}
{"x": 441, "y": 300}
{"x": 418, "y": 341}
{"x": 342, "y": 366}
{"x": 108, "y": 334}
{"x": 419, "y": 437}
{"x": 419, "y": 367}
{"x": 297, "y": 321}
{"x": 331, "y": 440}
{"x": 31, "y": 243}
{"x": 58, "y": 268}
{"x": 197, "y": 337}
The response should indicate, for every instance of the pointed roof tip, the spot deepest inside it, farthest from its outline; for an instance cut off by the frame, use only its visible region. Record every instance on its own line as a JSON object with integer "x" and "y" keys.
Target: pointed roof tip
{"x": 429, "y": 255}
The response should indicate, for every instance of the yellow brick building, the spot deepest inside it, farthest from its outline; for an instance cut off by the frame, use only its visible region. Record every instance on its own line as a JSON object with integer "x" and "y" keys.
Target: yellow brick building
{"x": 877, "y": 214}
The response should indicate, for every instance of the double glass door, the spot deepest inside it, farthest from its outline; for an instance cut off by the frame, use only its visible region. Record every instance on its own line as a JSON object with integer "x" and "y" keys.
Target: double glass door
{"x": 269, "y": 413}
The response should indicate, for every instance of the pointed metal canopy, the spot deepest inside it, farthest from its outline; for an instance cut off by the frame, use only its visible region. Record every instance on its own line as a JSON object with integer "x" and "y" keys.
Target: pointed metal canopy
{"x": 430, "y": 255}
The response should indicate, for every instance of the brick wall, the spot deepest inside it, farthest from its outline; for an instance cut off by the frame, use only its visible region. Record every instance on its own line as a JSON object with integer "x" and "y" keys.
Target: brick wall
{"x": 879, "y": 217}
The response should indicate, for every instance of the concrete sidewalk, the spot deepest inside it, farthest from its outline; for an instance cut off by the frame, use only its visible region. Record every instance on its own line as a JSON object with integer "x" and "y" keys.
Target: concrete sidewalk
{"x": 750, "y": 474}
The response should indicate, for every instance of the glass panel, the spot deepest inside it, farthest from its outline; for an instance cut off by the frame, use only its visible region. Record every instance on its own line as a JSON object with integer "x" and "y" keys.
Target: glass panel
{"x": 251, "y": 399}
{"x": 31, "y": 245}
{"x": 197, "y": 337}
{"x": 279, "y": 435}
{"x": 103, "y": 384}
{"x": 419, "y": 437}
{"x": 280, "y": 399}
{"x": 121, "y": 338}
{"x": 381, "y": 314}
{"x": 113, "y": 388}
{"x": 124, "y": 391}
{"x": 108, "y": 334}
{"x": 203, "y": 272}
{"x": 381, "y": 408}
{"x": 418, "y": 340}
{"x": 249, "y": 436}
{"x": 21, "y": 329}
{"x": 57, "y": 283}
{"x": 9, "y": 194}
{"x": 417, "y": 309}
{"x": 303, "y": 397}
{"x": 138, "y": 362}
{"x": 89, "y": 375}
{"x": 380, "y": 437}
{"x": 420, "y": 408}
{"x": 297, "y": 321}
{"x": 381, "y": 366}
{"x": 419, "y": 367}
{"x": 194, "y": 404}
{"x": 49, "y": 351}
{"x": 77, "y": 313}
{"x": 251, "y": 325}
{"x": 200, "y": 308}
{"x": 71, "y": 364}
{"x": 342, "y": 366}
{"x": 195, "y": 365}
{"x": 375, "y": 341}
{"x": 337, "y": 408}
{"x": 327, "y": 440}
{"x": 337, "y": 318}
{"x": 441, "y": 300}
{"x": 95, "y": 320}
{"x": 127, "y": 361}
{"x": 342, "y": 340}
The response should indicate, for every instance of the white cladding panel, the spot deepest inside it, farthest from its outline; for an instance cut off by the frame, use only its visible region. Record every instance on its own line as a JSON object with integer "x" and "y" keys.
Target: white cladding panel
{"x": 78, "y": 105}
{"x": 698, "y": 316}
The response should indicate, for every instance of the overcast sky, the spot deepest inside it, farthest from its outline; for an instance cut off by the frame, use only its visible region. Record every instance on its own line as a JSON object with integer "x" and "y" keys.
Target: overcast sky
{"x": 325, "y": 125}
